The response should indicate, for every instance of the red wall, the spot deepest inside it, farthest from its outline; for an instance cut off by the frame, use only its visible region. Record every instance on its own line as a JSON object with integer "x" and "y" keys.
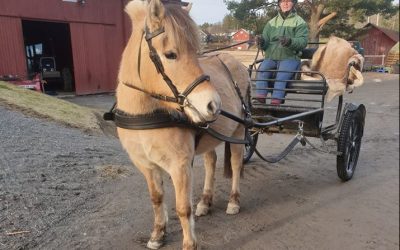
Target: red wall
{"x": 375, "y": 42}
{"x": 99, "y": 31}
{"x": 93, "y": 11}
{"x": 12, "y": 54}
{"x": 241, "y": 36}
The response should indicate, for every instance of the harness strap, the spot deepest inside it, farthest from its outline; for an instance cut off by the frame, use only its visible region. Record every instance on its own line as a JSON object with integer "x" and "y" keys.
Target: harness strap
{"x": 244, "y": 105}
{"x": 157, "y": 60}
{"x": 165, "y": 119}
{"x": 151, "y": 35}
{"x": 158, "y": 119}
{"x": 181, "y": 97}
{"x": 283, "y": 154}
{"x": 156, "y": 96}
{"x": 225, "y": 138}
{"x": 192, "y": 86}
{"x": 140, "y": 58}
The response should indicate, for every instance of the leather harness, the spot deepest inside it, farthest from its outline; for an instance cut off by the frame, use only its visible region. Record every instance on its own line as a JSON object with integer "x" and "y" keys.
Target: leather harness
{"x": 167, "y": 118}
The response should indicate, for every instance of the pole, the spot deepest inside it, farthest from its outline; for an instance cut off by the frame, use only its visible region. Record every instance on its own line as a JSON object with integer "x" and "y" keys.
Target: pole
{"x": 377, "y": 22}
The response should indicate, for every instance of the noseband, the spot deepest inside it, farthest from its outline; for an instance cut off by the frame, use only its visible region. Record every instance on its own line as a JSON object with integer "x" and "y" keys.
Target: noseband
{"x": 179, "y": 98}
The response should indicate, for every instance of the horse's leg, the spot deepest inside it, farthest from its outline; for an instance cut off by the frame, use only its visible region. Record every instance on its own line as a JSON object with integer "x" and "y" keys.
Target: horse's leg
{"x": 181, "y": 175}
{"x": 210, "y": 159}
{"x": 237, "y": 164}
{"x": 155, "y": 185}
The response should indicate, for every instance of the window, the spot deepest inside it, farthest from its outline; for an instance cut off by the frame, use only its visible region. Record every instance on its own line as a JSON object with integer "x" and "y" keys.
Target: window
{"x": 33, "y": 53}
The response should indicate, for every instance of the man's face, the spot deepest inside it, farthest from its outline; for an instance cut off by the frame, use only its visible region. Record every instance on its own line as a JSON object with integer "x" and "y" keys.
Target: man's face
{"x": 286, "y": 5}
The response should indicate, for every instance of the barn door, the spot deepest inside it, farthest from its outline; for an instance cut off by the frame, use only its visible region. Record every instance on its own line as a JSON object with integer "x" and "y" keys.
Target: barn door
{"x": 12, "y": 52}
{"x": 90, "y": 58}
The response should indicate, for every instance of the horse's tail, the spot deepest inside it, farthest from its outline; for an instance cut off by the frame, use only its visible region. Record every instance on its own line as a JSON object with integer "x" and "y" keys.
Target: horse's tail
{"x": 227, "y": 161}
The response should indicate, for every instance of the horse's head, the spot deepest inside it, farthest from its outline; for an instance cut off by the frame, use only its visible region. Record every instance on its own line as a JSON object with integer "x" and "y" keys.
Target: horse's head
{"x": 165, "y": 41}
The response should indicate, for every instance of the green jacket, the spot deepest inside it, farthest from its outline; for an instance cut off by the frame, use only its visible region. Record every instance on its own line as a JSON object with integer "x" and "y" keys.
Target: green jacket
{"x": 294, "y": 27}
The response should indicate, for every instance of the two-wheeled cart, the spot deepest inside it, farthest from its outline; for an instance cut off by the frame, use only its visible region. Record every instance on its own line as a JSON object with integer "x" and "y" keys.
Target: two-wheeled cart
{"x": 302, "y": 114}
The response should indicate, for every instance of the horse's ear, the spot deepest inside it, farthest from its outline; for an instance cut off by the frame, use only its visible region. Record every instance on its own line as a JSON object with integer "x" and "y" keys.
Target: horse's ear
{"x": 188, "y": 8}
{"x": 156, "y": 13}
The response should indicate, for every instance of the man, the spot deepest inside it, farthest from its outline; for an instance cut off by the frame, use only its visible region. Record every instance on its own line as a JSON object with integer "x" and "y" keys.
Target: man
{"x": 283, "y": 39}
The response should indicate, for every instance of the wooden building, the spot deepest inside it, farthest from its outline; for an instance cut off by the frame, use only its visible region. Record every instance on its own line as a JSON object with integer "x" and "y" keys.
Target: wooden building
{"x": 239, "y": 36}
{"x": 377, "y": 42}
{"x": 86, "y": 38}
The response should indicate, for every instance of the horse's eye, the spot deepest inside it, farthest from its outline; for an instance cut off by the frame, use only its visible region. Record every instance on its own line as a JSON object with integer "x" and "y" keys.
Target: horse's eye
{"x": 171, "y": 55}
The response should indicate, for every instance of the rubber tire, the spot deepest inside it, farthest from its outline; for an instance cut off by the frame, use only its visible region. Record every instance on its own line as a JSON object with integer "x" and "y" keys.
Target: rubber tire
{"x": 349, "y": 143}
{"x": 249, "y": 148}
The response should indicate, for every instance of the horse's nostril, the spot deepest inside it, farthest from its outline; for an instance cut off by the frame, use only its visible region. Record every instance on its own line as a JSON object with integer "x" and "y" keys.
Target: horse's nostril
{"x": 212, "y": 108}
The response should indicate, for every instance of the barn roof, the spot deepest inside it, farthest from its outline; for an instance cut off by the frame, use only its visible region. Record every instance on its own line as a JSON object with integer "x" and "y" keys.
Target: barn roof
{"x": 239, "y": 31}
{"x": 392, "y": 34}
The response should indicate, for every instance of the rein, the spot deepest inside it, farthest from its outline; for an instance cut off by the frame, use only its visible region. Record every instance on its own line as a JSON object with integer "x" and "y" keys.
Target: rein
{"x": 164, "y": 118}
{"x": 224, "y": 48}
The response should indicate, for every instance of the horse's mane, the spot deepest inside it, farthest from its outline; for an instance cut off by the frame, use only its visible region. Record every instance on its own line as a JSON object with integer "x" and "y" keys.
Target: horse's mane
{"x": 181, "y": 27}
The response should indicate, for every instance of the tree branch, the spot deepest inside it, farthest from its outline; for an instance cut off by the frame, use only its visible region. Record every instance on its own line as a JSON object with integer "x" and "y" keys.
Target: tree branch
{"x": 320, "y": 9}
{"x": 326, "y": 19}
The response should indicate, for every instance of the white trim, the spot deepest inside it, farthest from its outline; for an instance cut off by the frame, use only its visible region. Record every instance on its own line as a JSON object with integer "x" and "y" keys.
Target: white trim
{"x": 375, "y": 56}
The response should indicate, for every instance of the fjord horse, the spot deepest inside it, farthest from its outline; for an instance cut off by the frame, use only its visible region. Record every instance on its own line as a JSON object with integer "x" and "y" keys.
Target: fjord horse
{"x": 166, "y": 31}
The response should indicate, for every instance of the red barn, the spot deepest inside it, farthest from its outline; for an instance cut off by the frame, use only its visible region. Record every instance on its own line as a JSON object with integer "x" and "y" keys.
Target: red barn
{"x": 239, "y": 36}
{"x": 376, "y": 41}
{"x": 86, "y": 38}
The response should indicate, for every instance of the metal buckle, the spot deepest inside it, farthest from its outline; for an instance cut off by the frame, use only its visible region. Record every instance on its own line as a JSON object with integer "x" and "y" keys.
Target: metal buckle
{"x": 300, "y": 131}
{"x": 181, "y": 101}
{"x": 207, "y": 126}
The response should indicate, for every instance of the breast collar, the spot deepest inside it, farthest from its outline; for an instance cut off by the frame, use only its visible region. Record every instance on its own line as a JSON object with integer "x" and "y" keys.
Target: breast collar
{"x": 175, "y": 118}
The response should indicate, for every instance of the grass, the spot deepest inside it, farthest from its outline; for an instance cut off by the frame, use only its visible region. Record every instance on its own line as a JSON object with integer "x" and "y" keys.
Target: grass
{"x": 43, "y": 106}
{"x": 39, "y": 105}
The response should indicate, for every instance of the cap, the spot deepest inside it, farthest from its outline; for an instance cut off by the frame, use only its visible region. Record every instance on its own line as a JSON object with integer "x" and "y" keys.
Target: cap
{"x": 294, "y": 1}
{"x": 175, "y": 2}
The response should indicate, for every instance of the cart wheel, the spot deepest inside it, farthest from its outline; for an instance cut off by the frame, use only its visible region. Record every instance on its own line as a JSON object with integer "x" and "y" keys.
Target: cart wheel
{"x": 249, "y": 148}
{"x": 349, "y": 144}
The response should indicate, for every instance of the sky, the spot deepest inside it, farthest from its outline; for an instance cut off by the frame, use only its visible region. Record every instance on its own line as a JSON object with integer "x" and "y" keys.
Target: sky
{"x": 210, "y": 11}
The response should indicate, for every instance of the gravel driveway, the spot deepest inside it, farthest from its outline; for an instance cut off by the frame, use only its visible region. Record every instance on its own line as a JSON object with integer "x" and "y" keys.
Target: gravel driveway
{"x": 61, "y": 188}
{"x": 48, "y": 173}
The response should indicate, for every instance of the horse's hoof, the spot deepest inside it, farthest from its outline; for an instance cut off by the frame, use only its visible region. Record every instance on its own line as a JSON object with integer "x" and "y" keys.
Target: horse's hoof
{"x": 201, "y": 210}
{"x": 232, "y": 209}
{"x": 192, "y": 246}
{"x": 153, "y": 244}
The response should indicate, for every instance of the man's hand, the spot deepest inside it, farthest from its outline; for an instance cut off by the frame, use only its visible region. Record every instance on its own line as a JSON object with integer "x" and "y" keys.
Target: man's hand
{"x": 285, "y": 41}
{"x": 260, "y": 41}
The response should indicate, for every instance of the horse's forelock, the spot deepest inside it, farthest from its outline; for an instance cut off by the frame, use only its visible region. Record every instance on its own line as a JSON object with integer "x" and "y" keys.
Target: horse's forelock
{"x": 182, "y": 29}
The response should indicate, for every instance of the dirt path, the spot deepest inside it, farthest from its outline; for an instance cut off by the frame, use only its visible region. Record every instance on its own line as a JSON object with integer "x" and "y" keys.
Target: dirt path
{"x": 69, "y": 190}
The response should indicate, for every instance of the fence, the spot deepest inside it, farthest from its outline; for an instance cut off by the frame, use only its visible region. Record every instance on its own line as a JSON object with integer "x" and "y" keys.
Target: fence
{"x": 373, "y": 60}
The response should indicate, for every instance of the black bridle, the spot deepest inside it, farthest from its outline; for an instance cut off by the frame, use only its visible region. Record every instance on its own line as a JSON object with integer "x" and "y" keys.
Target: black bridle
{"x": 163, "y": 118}
{"x": 179, "y": 98}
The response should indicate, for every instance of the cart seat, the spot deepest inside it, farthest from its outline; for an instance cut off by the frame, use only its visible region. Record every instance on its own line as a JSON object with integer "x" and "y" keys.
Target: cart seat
{"x": 308, "y": 53}
{"x": 301, "y": 96}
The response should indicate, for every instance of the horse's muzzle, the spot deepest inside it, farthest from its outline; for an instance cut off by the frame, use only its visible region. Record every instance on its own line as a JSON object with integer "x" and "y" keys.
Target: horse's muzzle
{"x": 214, "y": 108}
